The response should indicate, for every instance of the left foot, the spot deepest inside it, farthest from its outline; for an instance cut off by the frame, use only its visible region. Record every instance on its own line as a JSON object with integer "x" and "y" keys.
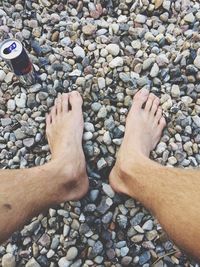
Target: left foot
{"x": 64, "y": 129}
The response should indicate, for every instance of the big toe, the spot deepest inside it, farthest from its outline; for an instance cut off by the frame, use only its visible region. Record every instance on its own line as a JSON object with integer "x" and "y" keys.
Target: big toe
{"x": 140, "y": 98}
{"x": 75, "y": 100}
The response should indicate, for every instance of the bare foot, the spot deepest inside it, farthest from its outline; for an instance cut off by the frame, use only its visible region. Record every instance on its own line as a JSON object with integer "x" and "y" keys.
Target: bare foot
{"x": 144, "y": 127}
{"x": 64, "y": 133}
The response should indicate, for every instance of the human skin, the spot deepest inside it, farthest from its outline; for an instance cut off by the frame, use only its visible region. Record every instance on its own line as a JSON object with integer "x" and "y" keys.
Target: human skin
{"x": 25, "y": 193}
{"x": 171, "y": 194}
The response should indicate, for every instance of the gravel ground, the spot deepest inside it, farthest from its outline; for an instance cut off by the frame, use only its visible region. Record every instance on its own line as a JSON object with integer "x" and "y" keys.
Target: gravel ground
{"x": 106, "y": 50}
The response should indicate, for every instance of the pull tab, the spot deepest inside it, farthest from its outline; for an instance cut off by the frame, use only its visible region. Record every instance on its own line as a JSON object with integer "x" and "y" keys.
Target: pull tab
{"x": 9, "y": 49}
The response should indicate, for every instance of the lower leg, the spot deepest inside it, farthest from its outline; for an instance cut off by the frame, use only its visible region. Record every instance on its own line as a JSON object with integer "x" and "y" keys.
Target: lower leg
{"x": 25, "y": 193}
{"x": 171, "y": 194}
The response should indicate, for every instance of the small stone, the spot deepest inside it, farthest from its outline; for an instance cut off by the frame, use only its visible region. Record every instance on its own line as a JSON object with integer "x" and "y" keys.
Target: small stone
{"x": 63, "y": 262}
{"x": 122, "y": 221}
{"x": 108, "y": 190}
{"x": 19, "y": 134}
{"x": 45, "y": 240}
{"x": 87, "y": 136}
{"x": 162, "y": 60}
{"x": 125, "y": 77}
{"x": 196, "y": 120}
{"x": 116, "y": 62}
{"x": 96, "y": 106}
{"x": 144, "y": 258}
{"x": 75, "y": 73}
{"x": 96, "y": 250}
{"x": 8, "y": 78}
{"x": 101, "y": 83}
{"x": 126, "y": 261}
{"x": 175, "y": 91}
{"x": 89, "y": 29}
{"x": 89, "y": 127}
{"x": 148, "y": 225}
{"x": 154, "y": 70}
{"x": 72, "y": 253}
{"x": 11, "y": 105}
{"x": 136, "y": 44}
{"x": 148, "y": 63}
{"x": 158, "y": 3}
{"x": 2, "y": 75}
{"x": 2, "y": 13}
{"x": 190, "y": 18}
{"x": 140, "y": 19}
{"x": 20, "y": 100}
{"x": 28, "y": 142}
{"x": 124, "y": 251}
{"x": 55, "y": 36}
{"x": 78, "y": 51}
{"x": 172, "y": 160}
{"x": 101, "y": 164}
{"x": 113, "y": 49}
{"x": 32, "y": 263}
{"x": 167, "y": 4}
{"x": 197, "y": 62}
{"x": 102, "y": 113}
{"x": 8, "y": 260}
{"x": 107, "y": 139}
{"x": 6, "y": 122}
{"x": 66, "y": 41}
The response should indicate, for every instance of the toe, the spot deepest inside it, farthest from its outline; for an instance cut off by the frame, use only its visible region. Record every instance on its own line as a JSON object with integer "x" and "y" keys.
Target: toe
{"x": 75, "y": 100}
{"x": 140, "y": 98}
{"x": 158, "y": 115}
{"x": 155, "y": 106}
{"x": 53, "y": 114}
{"x": 65, "y": 102}
{"x": 48, "y": 120}
{"x": 58, "y": 104}
{"x": 150, "y": 101}
{"x": 162, "y": 123}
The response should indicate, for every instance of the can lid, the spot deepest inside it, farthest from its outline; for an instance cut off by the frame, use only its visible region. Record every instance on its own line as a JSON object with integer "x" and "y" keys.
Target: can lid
{"x": 10, "y": 49}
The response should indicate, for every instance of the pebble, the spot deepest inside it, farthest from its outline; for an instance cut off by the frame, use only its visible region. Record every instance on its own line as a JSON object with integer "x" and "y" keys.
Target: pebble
{"x": 72, "y": 253}
{"x": 190, "y": 18}
{"x": 28, "y": 142}
{"x": 102, "y": 113}
{"x": 79, "y": 51}
{"x": 89, "y": 29}
{"x": 116, "y": 62}
{"x": 101, "y": 164}
{"x": 154, "y": 70}
{"x": 113, "y": 49}
{"x": 175, "y": 91}
{"x": 108, "y": 190}
{"x": 2, "y": 75}
{"x": 8, "y": 260}
{"x": 197, "y": 62}
{"x": 101, "y": 83}
{"x": 6, "y": 122}
{"x": 63, "y": 262}
{"x": 140, "y": 19}
{"x": 106, "y": 51}
{"x": 145, "y": 257}
{"x": 20, "y": 100}
{"x": 9, "y": 77}
{"x": 32, "y": 263}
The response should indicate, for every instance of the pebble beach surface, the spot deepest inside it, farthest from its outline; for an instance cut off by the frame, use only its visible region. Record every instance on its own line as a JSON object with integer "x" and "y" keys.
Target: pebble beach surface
{"x": 106, "y": 50}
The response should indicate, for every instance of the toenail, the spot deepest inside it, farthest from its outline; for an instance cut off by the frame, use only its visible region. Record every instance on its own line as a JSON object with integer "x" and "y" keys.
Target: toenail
{"x": 144, "y": 92}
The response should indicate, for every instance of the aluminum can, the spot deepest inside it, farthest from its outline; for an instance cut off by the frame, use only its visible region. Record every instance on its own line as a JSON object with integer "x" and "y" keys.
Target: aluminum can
{"x": 15, "y": 55}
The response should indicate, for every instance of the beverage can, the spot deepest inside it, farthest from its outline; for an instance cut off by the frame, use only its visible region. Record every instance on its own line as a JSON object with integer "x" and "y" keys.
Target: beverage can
{"x": 13, "y": 52}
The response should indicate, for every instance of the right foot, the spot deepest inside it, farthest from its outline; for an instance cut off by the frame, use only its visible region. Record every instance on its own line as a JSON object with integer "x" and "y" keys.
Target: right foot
{"x": 144, "y": 127}
{"x": 64, "y": 133}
